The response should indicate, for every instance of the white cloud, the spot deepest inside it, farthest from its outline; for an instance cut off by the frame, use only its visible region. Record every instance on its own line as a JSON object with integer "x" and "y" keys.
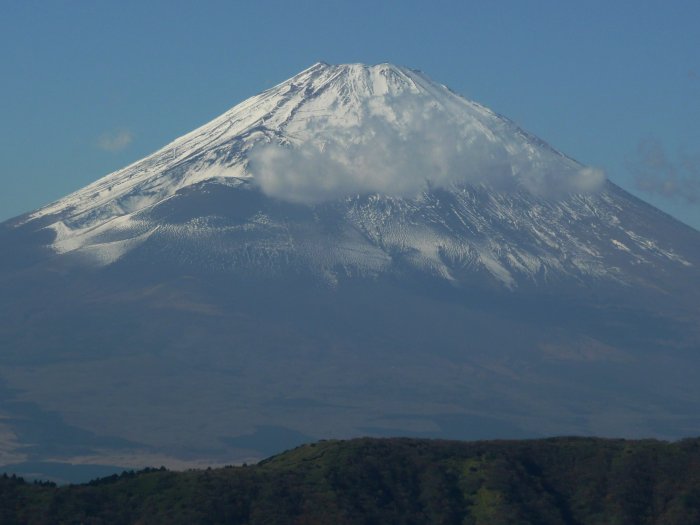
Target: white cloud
{"x": 115, "y": 141}
{"x": 400, "y": 151}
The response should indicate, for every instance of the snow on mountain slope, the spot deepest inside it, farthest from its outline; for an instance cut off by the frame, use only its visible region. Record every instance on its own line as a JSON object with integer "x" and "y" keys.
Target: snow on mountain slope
{"x": 408, "y": 170}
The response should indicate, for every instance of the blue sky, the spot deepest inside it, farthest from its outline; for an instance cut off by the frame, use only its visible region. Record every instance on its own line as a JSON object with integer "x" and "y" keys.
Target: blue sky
{"x": 88, "y": 87}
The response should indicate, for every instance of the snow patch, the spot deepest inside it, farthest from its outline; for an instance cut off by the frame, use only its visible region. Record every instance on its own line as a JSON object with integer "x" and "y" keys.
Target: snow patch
{"x": 620, "y": 246}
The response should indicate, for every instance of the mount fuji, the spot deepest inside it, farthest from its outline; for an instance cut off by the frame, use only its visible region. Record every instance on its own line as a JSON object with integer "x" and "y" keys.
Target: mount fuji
{"x": 356, "y": 251}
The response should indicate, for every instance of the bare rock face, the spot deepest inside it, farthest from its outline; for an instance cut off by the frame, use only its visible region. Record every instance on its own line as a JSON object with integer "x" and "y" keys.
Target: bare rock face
{"x": 356, "y": 251}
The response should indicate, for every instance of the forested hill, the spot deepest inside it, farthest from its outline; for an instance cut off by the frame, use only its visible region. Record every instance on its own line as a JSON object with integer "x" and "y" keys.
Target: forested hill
{"x": 395, "y": 481}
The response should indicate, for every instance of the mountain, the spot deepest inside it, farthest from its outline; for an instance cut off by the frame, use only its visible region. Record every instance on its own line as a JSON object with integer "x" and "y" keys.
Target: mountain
{"x": 400, "y": 481}
{"x": 381, "y": 131}
{"x": 356, "y": 251}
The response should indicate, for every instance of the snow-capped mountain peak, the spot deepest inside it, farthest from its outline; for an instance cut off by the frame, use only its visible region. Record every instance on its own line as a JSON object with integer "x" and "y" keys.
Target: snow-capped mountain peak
{"x": 309, "y": 108}
{"x": 415, "y": 172}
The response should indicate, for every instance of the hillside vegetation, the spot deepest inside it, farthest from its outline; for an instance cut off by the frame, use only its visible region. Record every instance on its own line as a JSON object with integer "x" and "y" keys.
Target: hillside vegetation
{"x": 395, "y": 481}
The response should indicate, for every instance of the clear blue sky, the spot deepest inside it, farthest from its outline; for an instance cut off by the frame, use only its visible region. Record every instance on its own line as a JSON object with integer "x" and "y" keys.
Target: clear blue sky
{"x": 88, "y": 87}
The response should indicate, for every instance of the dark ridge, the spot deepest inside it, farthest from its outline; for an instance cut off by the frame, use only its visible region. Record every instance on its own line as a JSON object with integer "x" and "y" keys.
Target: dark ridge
{"x": 571, "y": 481}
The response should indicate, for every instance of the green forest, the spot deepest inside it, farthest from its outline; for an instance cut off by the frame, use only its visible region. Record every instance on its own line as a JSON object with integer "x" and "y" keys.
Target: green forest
{"x": 573, "y": 481}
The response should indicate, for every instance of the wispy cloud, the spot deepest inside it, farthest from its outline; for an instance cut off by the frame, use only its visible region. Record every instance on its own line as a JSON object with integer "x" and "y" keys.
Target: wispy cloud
{"x": 115, "y": 141}
{"x": 401, "y": 153}
{"x": 656, "y": 172}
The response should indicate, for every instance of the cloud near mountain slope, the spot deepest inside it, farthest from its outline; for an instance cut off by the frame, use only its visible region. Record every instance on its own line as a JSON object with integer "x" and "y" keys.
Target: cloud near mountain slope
{"x": 398, "y": 146}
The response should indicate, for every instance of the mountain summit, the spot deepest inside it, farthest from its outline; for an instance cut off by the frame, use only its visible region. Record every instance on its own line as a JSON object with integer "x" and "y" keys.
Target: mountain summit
{"x": 416, "y": 173}
{"x": 357, "y": 250}
{"x": 350, "y": 107}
